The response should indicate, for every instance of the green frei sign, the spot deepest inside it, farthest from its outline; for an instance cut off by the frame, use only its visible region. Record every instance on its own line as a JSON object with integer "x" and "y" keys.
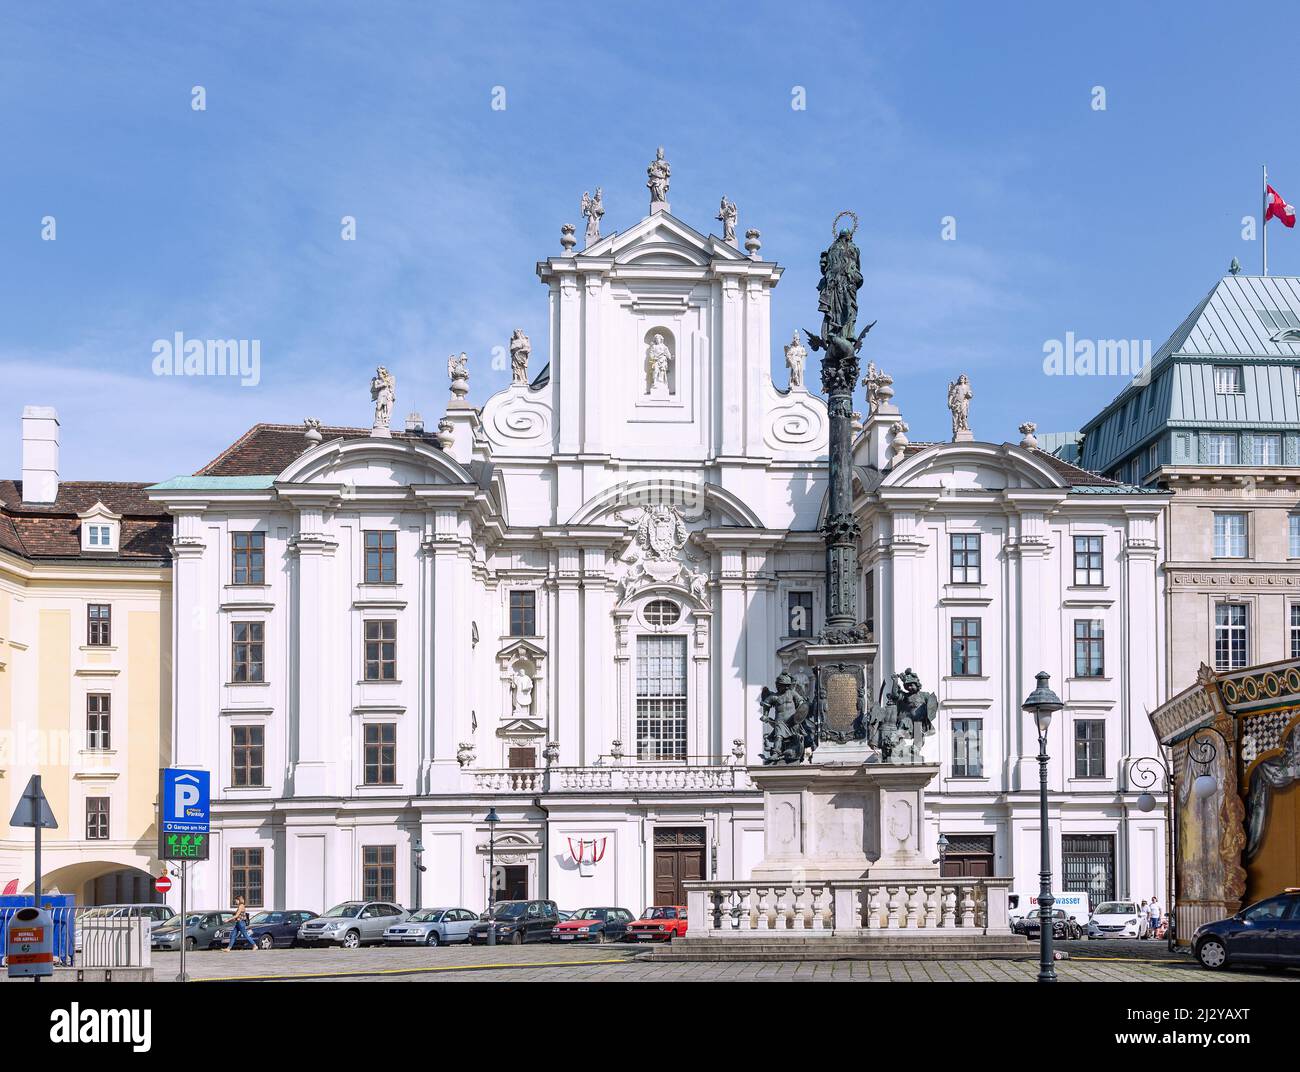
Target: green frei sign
{"x": 185, "y": 847}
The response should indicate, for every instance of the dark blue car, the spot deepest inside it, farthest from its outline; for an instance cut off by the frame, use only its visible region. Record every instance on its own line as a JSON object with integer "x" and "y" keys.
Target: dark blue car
{"x": 1268, "y": 932}
{"x": 269, "y": 929}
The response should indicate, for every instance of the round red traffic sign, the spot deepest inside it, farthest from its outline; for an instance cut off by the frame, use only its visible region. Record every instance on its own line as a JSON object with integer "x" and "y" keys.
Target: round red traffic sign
{"x": 162, "y": 884}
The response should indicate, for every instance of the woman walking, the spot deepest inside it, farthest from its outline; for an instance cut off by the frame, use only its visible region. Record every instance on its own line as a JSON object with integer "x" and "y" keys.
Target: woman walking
{"x": 239, "y": 926}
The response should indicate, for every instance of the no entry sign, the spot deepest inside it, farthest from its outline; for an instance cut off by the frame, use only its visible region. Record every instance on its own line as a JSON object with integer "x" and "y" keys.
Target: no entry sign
{"x": 162, "y": 884}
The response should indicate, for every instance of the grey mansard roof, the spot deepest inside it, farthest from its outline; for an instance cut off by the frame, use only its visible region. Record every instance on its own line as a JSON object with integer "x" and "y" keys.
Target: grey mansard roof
{"x": 1252, "y": 322}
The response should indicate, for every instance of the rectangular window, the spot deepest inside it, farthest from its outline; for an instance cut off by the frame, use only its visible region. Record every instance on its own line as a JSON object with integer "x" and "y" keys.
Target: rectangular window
{"x": 381, "y": 651}
{"x": 247, "y": 755}
{"x": 966, "y": 647}
{"x": 523, "y": 612}
{"x": 1293, "y": 535}
{"x": 381, "y": 753}
{"x": 1088, "y": 660}
{"x": 246, "y": 876}
{"x": 1219, "y": 449}
{"x": 98, "y": 713}
{"x": 97, "y": 818}
{"x": 379, "y": 873}
{"x": 968, "y": 748}
{"x": 99, "y": 625}
{"x": 1296, "y": 375}
{"x": 965, "y": 551}
{"x": 1089, "y": 748}
{"x": 246, "y": 651}
{"x": 800, "y": 610}
{"x": 381, "y": 557}
{"x": 1229, "y": 535}
{"x": 1227, "y": 380}
{"x": 1295, "y": 630}
{"x": 248, "y": 558}
{"x": 1087, "y": 561}
{"x": 661, "y": 697}
{"x": 1265, "y": 450}
{"x": 1230, "y": 639}
{"x": 1153, "y": 458}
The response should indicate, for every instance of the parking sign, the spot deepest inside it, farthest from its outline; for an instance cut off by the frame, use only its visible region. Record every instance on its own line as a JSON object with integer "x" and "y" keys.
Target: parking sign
{"x": 184, "y": 804}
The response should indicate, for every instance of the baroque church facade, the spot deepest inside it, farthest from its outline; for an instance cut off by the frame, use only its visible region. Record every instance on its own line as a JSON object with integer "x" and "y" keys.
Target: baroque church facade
{"x": 563, "y": 604}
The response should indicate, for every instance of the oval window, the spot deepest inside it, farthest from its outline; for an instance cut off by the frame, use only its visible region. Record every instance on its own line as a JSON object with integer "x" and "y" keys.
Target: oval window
{"x": 662, "y": 612}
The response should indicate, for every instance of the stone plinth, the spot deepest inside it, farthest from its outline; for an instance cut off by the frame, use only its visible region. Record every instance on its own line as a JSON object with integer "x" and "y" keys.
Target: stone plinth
{"x": 843, "y": 817}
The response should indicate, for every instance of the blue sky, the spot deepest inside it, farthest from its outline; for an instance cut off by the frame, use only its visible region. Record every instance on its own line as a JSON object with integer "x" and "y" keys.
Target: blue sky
{"x": 225, "y": 223}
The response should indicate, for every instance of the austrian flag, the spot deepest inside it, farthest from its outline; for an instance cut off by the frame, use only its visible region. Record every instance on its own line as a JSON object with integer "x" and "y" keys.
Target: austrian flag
{"x": 1279, "y": 208}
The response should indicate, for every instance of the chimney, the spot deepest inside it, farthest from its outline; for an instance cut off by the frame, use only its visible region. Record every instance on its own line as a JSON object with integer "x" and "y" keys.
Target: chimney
{"x": 40, "y": 454}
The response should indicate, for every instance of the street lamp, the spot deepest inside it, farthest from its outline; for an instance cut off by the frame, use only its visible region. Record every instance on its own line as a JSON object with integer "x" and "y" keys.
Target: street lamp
{"x": 492, "y": 819}
{"x": 1043, "y": 703}
{"x": 417, "y": 852}
{"x": 942, "y": 845}
{"x": 1144, "y": 772}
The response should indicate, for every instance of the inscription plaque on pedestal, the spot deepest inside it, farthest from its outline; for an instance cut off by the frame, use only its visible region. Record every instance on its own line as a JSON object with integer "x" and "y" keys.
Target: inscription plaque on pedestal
{"x": 840, "y": 702}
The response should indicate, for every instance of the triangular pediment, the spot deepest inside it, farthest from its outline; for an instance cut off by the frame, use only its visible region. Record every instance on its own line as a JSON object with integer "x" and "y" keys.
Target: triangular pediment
{"x": 662, "y": 239}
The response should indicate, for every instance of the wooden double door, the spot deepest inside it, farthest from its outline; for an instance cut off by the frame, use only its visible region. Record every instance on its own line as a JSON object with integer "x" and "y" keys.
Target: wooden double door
{"x": 679, "y": 858}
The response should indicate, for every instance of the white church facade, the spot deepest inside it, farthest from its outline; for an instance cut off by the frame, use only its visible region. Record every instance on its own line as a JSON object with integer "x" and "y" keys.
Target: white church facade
{"x": 564, "y": 602}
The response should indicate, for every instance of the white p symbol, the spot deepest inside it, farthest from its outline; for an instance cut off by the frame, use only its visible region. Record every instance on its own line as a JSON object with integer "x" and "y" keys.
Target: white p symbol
{"x": 186, "y": 794}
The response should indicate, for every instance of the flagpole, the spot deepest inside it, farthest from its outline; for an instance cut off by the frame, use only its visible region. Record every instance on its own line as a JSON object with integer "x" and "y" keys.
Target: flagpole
{"x": 1264, "y": 217}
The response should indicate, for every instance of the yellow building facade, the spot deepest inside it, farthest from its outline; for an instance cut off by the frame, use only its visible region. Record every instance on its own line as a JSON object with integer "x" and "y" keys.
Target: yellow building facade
{"x": 85, "y": 692}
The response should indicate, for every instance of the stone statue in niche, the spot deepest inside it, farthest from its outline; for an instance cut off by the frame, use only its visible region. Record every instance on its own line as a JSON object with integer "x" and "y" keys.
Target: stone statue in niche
{"x": 657, "y": 360}
{"x": 521, "y": 687}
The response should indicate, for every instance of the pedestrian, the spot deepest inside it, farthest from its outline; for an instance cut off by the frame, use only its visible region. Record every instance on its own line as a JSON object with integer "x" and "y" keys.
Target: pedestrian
{"x": 1143, "y": 919}
{"x": 239, "y": 926}
{"x": 1154, "y": 915}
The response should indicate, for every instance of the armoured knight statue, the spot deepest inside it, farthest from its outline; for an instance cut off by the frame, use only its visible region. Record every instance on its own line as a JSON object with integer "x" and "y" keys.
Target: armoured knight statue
{"x": 899, "y": 726}
{"x": 787, "y": 730}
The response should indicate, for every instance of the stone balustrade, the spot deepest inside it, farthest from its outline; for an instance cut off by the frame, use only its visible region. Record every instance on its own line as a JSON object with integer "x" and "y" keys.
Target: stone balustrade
{"x": 613, "y": 779}
{"x": 969, "y": 906}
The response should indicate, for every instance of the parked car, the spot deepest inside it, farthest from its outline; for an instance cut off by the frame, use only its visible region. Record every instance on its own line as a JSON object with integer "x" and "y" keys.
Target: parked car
{"x": 593, "y": 925}
{"x": 661, "y": 923}
{"x": 200, "y": 930}
{"x": 351, "y": 924}
{"x": 432, "y": 926}
{"x": 1117, "y": 919}
{"x": 517, "y": 922}
{"x": 1063, "y": 925}
{"x": 1268, "y": 932}
{"x": 270, "y": 929}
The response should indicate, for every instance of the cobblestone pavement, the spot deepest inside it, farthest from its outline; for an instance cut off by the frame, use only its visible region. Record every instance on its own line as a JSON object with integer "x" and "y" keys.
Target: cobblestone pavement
{"x": 1116, "y": 961}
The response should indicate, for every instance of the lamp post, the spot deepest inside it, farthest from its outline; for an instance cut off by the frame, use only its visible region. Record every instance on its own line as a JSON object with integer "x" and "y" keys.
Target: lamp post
{"x": 1043, "y": 703}
{"x": 492, "y": 819}
{"x": 942, "y": 845}
{"x": 1144, "y": 772}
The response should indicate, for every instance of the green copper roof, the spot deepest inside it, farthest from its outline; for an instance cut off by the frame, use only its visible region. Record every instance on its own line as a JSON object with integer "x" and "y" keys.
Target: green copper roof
{"x": 214, "y": 483}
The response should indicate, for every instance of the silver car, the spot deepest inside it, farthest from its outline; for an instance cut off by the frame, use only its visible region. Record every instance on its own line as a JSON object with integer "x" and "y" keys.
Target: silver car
{"x": 432, "y": 926}
{"x": 200, "y": 931}
{"x": 352, "y": 924}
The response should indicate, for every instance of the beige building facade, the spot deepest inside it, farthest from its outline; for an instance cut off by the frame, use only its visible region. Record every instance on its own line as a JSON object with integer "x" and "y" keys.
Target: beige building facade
{"x": 85, "y": 695}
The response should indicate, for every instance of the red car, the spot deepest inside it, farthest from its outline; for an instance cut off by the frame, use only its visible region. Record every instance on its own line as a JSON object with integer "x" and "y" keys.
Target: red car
{"x": 659, "y": 924}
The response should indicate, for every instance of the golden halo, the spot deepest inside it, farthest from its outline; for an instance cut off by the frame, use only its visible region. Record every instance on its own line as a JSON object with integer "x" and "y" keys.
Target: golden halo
{"x": 835, "y": 224}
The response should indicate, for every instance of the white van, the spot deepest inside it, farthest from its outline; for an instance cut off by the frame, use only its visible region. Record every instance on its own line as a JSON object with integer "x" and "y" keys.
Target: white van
{"x": 1074, "y": 905}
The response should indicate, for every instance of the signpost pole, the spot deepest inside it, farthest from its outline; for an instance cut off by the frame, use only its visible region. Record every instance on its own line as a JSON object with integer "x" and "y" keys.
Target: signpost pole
{"x": 183, "y": 978}
{"x": 36, "y": 886}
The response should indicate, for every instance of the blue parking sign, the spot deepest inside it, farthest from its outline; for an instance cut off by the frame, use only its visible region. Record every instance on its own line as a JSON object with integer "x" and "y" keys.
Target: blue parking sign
{"x": 186, "y": 801}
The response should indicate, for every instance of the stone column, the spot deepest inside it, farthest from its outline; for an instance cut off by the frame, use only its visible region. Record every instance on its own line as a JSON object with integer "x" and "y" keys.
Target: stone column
{"x": 566, "y": 657}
